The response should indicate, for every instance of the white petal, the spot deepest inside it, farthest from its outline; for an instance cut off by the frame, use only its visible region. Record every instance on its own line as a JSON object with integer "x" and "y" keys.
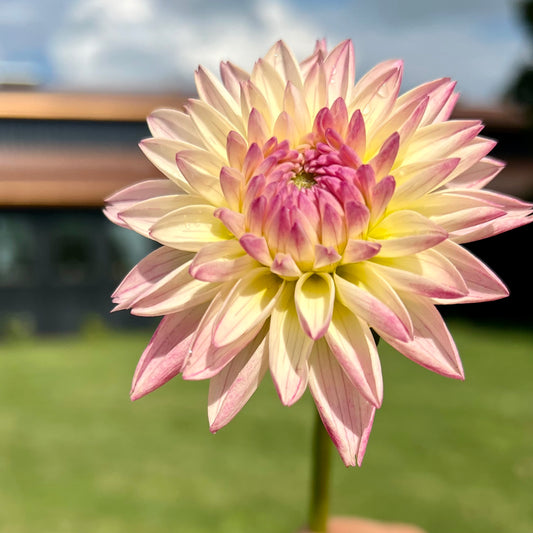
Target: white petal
{"x": 142, "y": 216}
{"x": 133, "y": 194}
{"x": 162, "y": 154}
{"x": 174, "y": 125}
{"x": 190, "y": 228}
{"x": 211, "y": 125}
{"x": 406, "y": 232}
{"x": 215, "y": 94}
{"x": 249, "y": 303}
{"x": 289, "y": 349}
{"x": 314, "y": 296}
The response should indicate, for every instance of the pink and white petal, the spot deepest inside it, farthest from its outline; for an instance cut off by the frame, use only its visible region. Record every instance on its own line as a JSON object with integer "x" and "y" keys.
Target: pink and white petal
{"x": 383, "y": 161}
{"x": 442, "y": 100}
{"x": 257, "y": 248}
{"x": 162, "y": 154}
{"x": 232, "y": 76}
{"x": 517, "y": 213}
{"x": 315, "y": 89}
{"x": 258, "y": 130}
{"x": 366, "y": 306}
{"x": 252, "y": 98}
{"x": 314, "y": 296}
{"x": 205, "y": 184}
{"x": 496, "y": 199}
{"x": 282, "y": 59}
{"x": 167, "y": 351}
{"x": 414, "y": 181}
{"x": 447, "y": 109}
{"x": 382, "y": 192}
{"x": 491, "y": 228}
{"x": 285, "y": 266}
{"x": 357, "y": 218}
{"x": 133, "y": 194}
{"x": 285, "y": 128}
{"x": 142, "y": 216}
{"x": 231, "y": 184}
{"x": 339, "y": 67}
{"x": 234, "y": 385}
{"x": 375, "y": 94}
{"x": 236, "y": 148}
{"x": 455, "y": 210}
{"x": 216, "y": 95}
{"x": 483, "y": 284}
{"x": 438, "y": 92}
{"x": 181, "y": 292}
{"x": 190, "y": 228}
{"x": 221, "y": 261}
{"x": 249, "y": 303}
{"x": 318, "y": 55}
{"x": 440, "y": 140}
{"x": 157, "y": 268}
{"x": 212, "y": 126}
{"x": 432, "y": 346}
{"x": 201, "y": 354}
{"x": 347, "y": 416}
{"x": 404, "y": 121}
{"x": 289, "y": 349}
{"x": 333, "y": 231}
{"x": 205, "y": 359}
{"x": 470, "y": 154}
{"x": 295, "y": 105}
{"x": 203, "y": 160}
{"x": 325, "y": 257}
{"x": 270, "y": 83}
{"x": 353, "y": 345}
{"x": 233, "y": 220}
{"x": 462, "y": 221}
{"x": 427, "y": 273}
{"x": 378, "y": 287}
{"x": 478, "y": 175}
{"x": 359, "y": 250}
{"x": 175, "y": 125}
{"x": 406, "y": 232}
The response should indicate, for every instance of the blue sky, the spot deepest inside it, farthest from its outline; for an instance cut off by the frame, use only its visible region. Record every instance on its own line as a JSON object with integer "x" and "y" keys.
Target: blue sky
{"x": 150, "y": 45}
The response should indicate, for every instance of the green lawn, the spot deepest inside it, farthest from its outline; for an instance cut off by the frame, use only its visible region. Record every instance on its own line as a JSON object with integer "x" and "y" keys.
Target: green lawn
{"x": 77, "y": 456}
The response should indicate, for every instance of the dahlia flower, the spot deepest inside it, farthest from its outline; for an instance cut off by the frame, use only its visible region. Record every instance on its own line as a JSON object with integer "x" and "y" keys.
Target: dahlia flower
{"x": 304, "y": 212}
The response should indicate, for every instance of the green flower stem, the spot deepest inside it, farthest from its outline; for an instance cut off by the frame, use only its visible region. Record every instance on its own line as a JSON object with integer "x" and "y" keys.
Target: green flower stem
{"x": 318, "y": 513}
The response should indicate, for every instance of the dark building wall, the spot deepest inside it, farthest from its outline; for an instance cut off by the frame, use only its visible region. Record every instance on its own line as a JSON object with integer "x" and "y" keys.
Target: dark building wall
{"x": 58, "y": 268}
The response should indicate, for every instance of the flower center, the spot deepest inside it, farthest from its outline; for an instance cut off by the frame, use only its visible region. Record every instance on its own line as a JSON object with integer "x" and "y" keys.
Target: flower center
{"x": 307, "y": 209}
{"x": 304, "y": 180}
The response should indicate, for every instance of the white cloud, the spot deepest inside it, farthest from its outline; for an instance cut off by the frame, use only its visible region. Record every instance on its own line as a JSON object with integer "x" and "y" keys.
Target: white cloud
{"x": 156, "y": 44}
{"x": 157, "y": 47}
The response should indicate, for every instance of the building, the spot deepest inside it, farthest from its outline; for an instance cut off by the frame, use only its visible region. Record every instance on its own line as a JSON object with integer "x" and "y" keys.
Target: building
{"x": 60, "y": 156}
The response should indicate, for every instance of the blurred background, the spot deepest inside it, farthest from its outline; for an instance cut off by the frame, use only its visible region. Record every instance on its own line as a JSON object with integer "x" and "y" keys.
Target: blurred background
{"x": 77, "y": 79}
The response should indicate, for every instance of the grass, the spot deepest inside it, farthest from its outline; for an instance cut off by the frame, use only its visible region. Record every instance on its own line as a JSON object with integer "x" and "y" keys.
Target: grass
{"x": 77, "y": 456}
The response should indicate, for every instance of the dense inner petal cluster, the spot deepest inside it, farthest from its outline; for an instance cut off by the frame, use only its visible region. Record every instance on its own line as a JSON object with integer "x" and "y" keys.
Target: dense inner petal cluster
{"x": 309, "y": 208}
